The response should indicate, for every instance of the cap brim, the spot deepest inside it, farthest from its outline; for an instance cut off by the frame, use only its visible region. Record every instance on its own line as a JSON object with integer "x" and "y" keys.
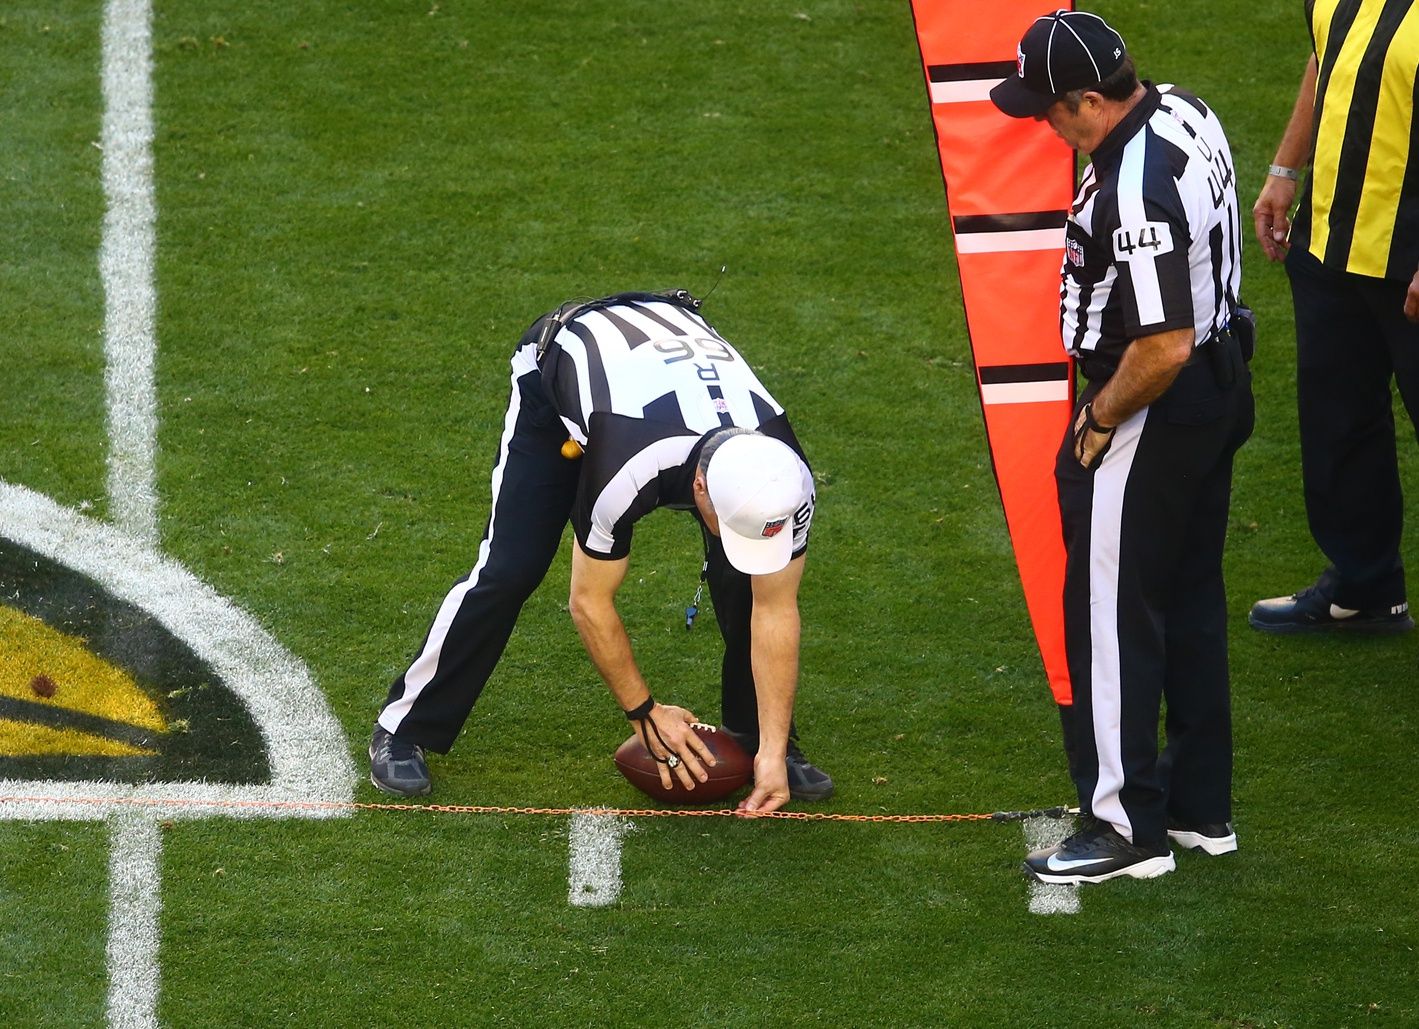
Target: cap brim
{"x": 757, "y": 556}
{"x": 1017, "y": 100}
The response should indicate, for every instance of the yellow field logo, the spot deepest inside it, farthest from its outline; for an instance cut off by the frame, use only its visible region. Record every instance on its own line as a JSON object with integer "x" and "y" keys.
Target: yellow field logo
{"x": 56, "y": 697}
{"x": 92, "y": 687}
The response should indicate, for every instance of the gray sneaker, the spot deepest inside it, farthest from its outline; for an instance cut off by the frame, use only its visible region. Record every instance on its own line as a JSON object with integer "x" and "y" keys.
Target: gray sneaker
{"x": 397, "y": 766}
{"x": 806, "y": 781}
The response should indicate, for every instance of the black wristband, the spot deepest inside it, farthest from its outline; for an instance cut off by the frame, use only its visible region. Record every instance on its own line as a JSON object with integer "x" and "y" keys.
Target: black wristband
{"x": 635, "y": 714}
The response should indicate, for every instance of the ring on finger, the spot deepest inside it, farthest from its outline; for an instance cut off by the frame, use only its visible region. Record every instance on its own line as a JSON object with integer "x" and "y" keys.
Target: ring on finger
{"x": 673, "y": 761}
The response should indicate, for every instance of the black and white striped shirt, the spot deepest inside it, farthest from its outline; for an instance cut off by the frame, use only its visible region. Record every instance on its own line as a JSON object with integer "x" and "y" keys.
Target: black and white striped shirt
{"x": 640, "y": 380}
{"x": 1153, "y": 241}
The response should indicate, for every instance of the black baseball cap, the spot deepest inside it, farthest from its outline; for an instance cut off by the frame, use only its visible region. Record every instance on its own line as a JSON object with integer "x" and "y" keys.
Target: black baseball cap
{"x": 1060, "y": 52}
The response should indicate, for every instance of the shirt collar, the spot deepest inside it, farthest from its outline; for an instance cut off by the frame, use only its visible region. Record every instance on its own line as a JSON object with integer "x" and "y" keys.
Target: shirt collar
{"x": 1110, "y": 151}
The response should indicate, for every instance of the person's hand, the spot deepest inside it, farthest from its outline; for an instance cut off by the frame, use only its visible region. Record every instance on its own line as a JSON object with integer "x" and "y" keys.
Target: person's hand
{"x": 1271, "y": 216}
{"x": 1411, "y": 299}
{"x": 770, "y": 786}
{"x": 1091, "y": 440}
{"x": 666, "y": 733}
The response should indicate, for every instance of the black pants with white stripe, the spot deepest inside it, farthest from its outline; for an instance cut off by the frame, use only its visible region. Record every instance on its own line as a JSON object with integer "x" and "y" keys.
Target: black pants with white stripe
{"x": 1352, "y": 340}
{"x": 533, "y": 490}
{"x": 1145, "y": 611}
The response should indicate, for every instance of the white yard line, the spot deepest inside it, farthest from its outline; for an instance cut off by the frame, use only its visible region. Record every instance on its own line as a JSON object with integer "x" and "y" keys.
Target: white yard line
{"x": 594, "y": 859}
{"x": 308, "y": 752}
{"x": 1048, "y": 898}
{"x": 126, "y": 265}
{"x": 130, "y": 313}
{"x": 135, "y": 853}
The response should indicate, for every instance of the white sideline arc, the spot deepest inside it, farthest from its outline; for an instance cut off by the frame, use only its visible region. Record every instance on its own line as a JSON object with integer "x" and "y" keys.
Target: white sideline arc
{"x": 305, "y": 745}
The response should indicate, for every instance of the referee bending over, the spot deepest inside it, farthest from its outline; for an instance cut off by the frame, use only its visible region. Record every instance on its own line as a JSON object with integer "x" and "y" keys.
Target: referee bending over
{"x": 620, "y": 406}
{"x": 1148, "y": 304}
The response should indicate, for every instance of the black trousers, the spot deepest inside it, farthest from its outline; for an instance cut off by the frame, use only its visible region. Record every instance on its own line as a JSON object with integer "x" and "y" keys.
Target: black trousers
{"x": 533, "y": 489}
{"x": 1352, "y": 339}
{"x": 1145, "y": 614}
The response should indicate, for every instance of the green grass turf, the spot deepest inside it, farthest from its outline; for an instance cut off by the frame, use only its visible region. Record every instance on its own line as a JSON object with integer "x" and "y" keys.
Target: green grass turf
{"x": 360, "y": 207}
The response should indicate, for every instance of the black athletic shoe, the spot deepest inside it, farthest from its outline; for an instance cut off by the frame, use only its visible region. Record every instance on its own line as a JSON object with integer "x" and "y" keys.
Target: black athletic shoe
{"x": 397, "y": 766}
{"x": 1313, "y": 610}
{"x": 1095, "y": 854}
{"x": 806, "y": 781}
{"x": 1213, "y": 838}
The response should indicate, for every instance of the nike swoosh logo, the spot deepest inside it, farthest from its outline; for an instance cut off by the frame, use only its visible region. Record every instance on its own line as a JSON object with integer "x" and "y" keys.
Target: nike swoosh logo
{"x": 1341, "y": 613}
{"x": 1059, "y": 864}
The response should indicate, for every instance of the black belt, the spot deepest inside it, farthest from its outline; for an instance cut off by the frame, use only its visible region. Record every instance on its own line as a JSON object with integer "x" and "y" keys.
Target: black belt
{"x": 1218, "y": 348}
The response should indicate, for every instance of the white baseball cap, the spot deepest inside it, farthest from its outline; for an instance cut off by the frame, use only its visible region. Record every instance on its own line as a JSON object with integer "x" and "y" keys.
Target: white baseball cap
{"x": 755, "y": 483}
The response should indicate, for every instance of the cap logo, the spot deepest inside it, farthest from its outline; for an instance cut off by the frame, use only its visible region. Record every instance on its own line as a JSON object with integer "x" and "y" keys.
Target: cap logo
{"x": 773, "y": 528}
{"x": 1019, "y": 60}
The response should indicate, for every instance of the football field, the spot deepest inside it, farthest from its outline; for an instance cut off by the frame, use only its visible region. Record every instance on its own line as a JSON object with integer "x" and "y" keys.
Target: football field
{"x": 262, "y": 265}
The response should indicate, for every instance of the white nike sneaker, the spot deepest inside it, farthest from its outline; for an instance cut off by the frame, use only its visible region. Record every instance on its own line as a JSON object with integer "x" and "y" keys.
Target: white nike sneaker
{"x": 1216, "y": 838}
{"x": 1096, "y": 854}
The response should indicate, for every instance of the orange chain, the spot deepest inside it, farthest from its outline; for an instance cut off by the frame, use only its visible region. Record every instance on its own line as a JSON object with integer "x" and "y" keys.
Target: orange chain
{"x": 479, "y": 809}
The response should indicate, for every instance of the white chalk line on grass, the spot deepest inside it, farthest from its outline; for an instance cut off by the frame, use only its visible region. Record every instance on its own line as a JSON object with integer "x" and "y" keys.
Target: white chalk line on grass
{"x": 135, "y": 853}
{"x": 594, "y": 859}
{"x": 126, "y": 261}
{"x": 1050, "y": 898}
{"x": 305, "y": 746}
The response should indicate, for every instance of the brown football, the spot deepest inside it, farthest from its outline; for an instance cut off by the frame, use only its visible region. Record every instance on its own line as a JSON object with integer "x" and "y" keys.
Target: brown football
{"x": 733, "y": 770}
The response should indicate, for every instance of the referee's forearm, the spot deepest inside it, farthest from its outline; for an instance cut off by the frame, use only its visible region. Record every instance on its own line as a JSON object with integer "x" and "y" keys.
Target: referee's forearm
{"x": 1294, "y": 150}
{"x": 1148, "y": 368}
{"x": 774, "y": 643}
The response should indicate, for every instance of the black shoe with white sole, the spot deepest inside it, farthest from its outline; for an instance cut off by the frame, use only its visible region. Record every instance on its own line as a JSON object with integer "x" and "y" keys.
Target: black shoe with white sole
{"x": 1213, "y": 838}
{"x": 1314, "y": 609}
{"x": 397, "y": 766}
{"x": 1095, "y": 854}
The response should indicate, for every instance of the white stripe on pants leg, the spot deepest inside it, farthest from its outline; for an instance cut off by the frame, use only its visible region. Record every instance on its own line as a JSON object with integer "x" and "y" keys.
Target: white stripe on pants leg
{"x": 1105, "y": 673}
{"x": 421, "y": 671}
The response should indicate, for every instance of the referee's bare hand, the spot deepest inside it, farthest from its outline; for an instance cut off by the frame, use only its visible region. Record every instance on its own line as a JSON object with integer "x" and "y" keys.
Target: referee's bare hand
{"x": 1270, "y": 216}
{"x": 770, "y": 786}
{"x": 1411, "y": 299}
{"x": 686, "y": 753}
{"x": 1089, "y": 446}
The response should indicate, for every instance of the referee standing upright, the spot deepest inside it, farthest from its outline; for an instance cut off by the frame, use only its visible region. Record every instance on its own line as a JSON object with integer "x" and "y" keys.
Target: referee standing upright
{"x": 1149, "y": 306}
{"x": 1352, "y": 255}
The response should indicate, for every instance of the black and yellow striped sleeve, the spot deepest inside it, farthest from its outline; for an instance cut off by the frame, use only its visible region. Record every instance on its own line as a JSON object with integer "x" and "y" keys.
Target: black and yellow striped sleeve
{"x": 1360, "y": 213}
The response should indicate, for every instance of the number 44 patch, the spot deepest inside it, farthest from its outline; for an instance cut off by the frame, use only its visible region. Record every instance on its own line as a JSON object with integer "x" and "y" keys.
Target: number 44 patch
{"x": 1142, "y": 242}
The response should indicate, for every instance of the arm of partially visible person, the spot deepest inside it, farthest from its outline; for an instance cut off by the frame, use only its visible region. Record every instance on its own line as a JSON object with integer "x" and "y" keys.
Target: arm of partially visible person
{"x": 1271, "y": 212}
{"x": 775, "y": 632}
{"x": 1411, "y": 299}
{"x": 593, "y": 610}
{"x": 1149, "y": 366}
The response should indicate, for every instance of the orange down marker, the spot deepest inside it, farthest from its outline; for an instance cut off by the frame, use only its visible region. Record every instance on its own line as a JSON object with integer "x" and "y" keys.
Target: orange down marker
{"x": 1009, "y": 184}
